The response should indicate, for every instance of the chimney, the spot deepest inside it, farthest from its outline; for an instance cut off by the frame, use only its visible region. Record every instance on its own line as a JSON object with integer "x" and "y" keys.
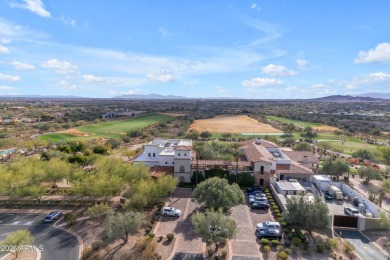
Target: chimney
{"x": 305, "y": 160}
{"x": 258, "y": 141}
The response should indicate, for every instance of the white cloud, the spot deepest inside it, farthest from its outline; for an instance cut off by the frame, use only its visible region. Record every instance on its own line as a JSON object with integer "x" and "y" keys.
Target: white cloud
{"x": 129, "y": 92}
{"x": 302, "y": 64}
{"x": 6, "y": 88}
{"x": 221, "y": 90}
{"x": 67, "y": 85}
{"x": 164, "y": 32}
{"x": 372, "y": 80}
{"x": 277, "y": 71}
{"x": 261, "y": 82}
{"x": 162, "y": 77}
{"x": 92, "y": 79}
{"x": 62, "y": 67}
{"x": 22, "y": 66}
{"x": 4, "y": 50}
{"x": 68, "y": 21}
{"x": 5, "y": 40}
{"x": 254, "y": 6}
{"x": 35, "y": 6}
{"x": 381, "y": 54}
{"x": 9, "y": 77}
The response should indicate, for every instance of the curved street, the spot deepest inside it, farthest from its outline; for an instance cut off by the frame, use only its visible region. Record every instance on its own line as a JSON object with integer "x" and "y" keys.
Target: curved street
{"x": 56, "y": 243}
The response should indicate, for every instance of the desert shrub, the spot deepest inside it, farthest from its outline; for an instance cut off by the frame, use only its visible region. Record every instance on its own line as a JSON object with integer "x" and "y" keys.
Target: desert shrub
{"x": 282, "y": 256}
{"x": 280, "y": 248}
{"x": 278, "y": 215}
{"x": 275, "y": 207}
{"x": 210, "y": 251}
{"x": 296, "y": 241}
{"x": 287, "y": 251}
{"x": 331, "y": 244}
{"x": 147, "y": 230}
{"x": 267, "y": 248}
{"x": 348, "y": 248}
{"x": 87, "y": 253}
{"x": 224, "y": 253}
{"x": 142, "y": 243}
{"x": 70, "y": 218}
{"x": 264, "y": 241}
{"x": 170, "y": 236}
{"x": 284, "y": 224}
{"x": 280, "y": 219}
{"x": 275, "y": 242}
{"x": 299, "y": 234}
{"x": 152, "y": 235}
{"x": 149, "y": 225}
{"x": 320, "y": 248}
{"x": 277, "y": 211}
{"x": 96, "y": 245}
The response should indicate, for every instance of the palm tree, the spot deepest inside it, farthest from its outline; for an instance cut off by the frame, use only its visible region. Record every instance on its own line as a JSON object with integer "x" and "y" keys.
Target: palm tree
{"x": 237, "y": 155}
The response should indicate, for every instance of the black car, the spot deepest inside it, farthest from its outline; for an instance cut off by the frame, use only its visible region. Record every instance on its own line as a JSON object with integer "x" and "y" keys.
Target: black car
{"x": 259, "y": 205}
{"x": 328, "y": 196}
{"x": 254, "y": 189}
{"x": 269, "y": 233}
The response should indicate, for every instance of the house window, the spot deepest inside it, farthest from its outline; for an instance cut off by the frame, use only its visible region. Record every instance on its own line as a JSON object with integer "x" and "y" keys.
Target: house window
{"x": 154, "y": 155}
{"x": 181, "y": 179}
{"x": 149, "y": 155}
{"x": 166, "y": 162}
{"x": 185, "y": 154}
{"x": 281, "y": 177}
{"x": 182, "y": 169}
{"x": 173, "y": 162}
{"x": 262, "y": 170}
{"x": 261, "y": 182}
{"x": 178, "y": 154}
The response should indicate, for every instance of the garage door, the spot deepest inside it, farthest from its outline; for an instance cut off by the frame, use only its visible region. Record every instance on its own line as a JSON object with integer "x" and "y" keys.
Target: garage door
{"x": 345, "y": 221}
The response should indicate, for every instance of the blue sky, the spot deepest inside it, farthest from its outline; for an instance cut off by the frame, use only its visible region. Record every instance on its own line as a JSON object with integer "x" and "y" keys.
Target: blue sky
{"x": 243, "y": 49}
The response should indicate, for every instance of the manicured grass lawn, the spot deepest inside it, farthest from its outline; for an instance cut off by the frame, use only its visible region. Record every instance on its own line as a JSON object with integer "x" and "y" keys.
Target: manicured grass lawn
{"x": 111, "y": 129}
{"x": 295, "y": 122}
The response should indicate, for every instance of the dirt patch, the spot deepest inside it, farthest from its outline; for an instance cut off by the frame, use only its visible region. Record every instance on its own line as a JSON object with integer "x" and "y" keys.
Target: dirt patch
{"x": 173, "y": 114}
{"x": 326, "y": 128}
{"x": 75, "y": 132}
{"x": 233, "y": 124}
{"x": 380, "y": 237}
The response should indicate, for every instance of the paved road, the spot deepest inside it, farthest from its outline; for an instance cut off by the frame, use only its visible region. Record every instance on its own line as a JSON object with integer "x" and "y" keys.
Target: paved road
{"x": 57, "y": 244}
{"x": 363, "y": 247}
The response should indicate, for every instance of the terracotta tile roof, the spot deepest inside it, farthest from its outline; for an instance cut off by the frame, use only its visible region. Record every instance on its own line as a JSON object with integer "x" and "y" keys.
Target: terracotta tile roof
{"x": 156, "y": 171}
{"x": 257, "y": 152}
{"x": 221, "y": 163}
{"x": 295, "y": 168}
{"x": 298, "y": 156}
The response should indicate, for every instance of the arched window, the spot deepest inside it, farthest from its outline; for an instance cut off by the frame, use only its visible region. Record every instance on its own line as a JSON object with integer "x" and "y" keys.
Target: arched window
{"x": 181, "y": 179}
{"x": 182, "y": 169}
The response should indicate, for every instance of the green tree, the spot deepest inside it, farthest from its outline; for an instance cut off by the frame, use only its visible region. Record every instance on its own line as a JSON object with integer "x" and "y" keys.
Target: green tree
{"x": 308, "y": 133}
{"x": 99, "y": 211}
{"x": 121, "y": 225}
{"x": 363, "y": 154}
{"x": 302, "y": 147}
{"x": 56, "y": 170}
{"x": 334, "y": 167}
{"x": 369, "y": 173}
{"x": 205, "y": 134}
{"x": 300, "y": 210}
{"x": 384, "y": 220}
{"x": 18, "y": 239}
{"x": 100, "y": 149}
{"x": 217, "y": 193}
{"x": 383, "y": 189}
{"x": 214, "y": 226}
{"x": 76, "y": 147}
{"x": 385, "y": 153}
{"x": 226, "y": 135}
{"x": 192, "y": 134}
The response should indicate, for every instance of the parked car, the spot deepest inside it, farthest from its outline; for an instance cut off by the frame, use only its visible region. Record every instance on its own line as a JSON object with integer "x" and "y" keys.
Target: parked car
{"x": 351, "y": 211}
{"x": 259, "y": 205}
{"x": 269, "y": 233}
{"x": 52, "y": 216}
{"x": 268, "y": 225}
{"x": 260, "y": 200}
{"x": 253, "y": 189}
{"x": 328, "y": 196}
{"x": 171, "y": 211}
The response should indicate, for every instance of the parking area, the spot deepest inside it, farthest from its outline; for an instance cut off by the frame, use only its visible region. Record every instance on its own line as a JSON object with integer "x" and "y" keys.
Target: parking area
{"x": 336, "y": 207}
{"x": 21, "y": 219}
{"x": 245, "y": 245}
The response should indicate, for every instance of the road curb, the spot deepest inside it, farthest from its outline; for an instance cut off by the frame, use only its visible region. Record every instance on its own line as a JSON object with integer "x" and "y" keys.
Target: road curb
{"x": 375, "y": 244}
{"x": 81, "y": 248}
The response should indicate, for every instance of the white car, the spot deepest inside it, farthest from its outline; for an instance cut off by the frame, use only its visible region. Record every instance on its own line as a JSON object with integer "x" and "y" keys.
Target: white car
{"x": 351, "y": 211}
{"x": 268, "y": 225}
{"x": 171, "y": 211}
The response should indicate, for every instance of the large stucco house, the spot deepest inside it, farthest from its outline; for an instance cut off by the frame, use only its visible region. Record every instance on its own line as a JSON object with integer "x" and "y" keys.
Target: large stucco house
{"x": 264, "y": 159}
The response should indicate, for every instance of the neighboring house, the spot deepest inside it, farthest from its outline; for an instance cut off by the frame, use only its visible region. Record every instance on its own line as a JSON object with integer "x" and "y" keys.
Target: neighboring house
{"x": 109, "y": 115}
{"x": 264, "y": 159}
{"x": 289, "y": 188}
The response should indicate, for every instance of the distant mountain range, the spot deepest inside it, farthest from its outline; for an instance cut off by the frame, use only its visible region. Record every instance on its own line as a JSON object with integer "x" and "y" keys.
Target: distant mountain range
{"x": 346, "y": 98}
{"x": 150, "y": 96}
{"x": 375, "y": 95}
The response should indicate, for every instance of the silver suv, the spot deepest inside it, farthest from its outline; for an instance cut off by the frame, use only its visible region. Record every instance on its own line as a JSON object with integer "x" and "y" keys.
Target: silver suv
{"x": 171, "y": 211}
{"x": 268, "y": 225}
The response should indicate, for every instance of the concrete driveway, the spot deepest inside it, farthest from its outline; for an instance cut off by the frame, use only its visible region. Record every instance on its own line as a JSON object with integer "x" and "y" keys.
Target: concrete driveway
{"x": 363, "y": 247}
